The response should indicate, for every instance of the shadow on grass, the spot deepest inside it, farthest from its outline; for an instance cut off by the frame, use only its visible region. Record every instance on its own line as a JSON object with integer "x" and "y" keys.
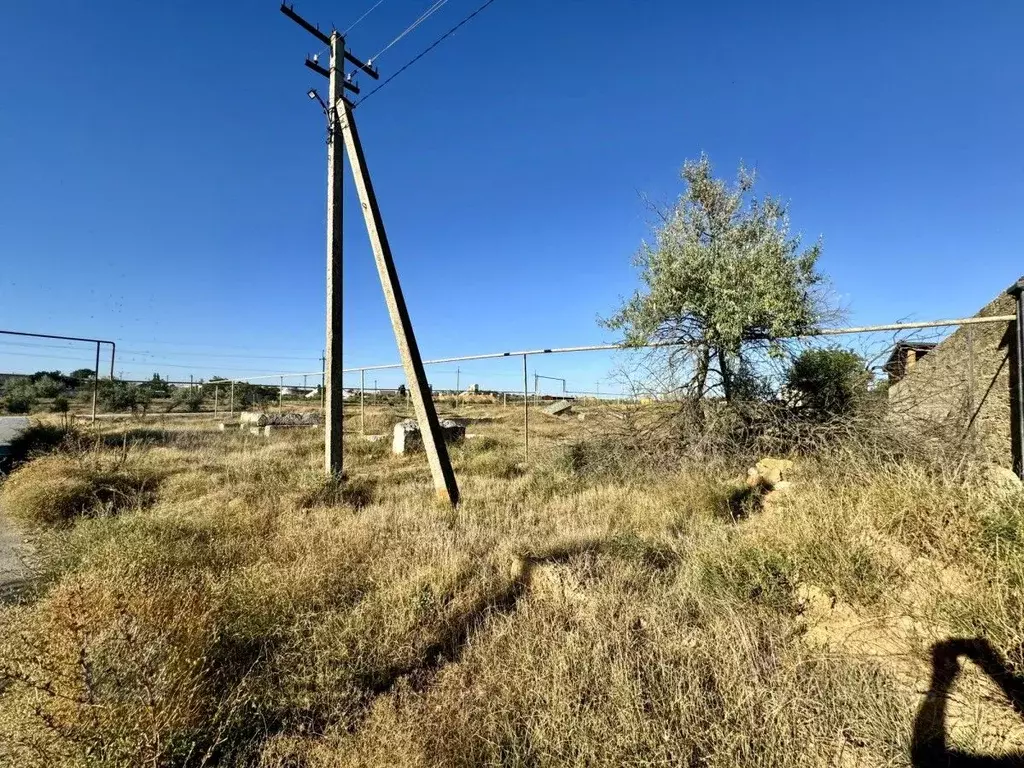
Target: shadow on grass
{"x": 146, "y": 436}
{"x": 929, "y": 746}
{"x": 355, "y": 492}
{"x": 37, "y": 440}
{"x": 19, "y": 591}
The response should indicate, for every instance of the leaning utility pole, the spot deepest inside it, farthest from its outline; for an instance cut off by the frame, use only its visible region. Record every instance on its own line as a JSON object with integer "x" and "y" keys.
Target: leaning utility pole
{"x": 341, "y": 127}
{"x": 412, "y": 363}
{"x": 333, "y": 392}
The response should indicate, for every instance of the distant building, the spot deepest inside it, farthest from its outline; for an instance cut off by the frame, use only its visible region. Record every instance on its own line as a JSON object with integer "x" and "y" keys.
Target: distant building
{"x": 904, "y": 356}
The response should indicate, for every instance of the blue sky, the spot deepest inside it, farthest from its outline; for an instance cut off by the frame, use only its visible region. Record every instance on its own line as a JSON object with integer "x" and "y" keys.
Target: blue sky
{"x": 162, "y": 171}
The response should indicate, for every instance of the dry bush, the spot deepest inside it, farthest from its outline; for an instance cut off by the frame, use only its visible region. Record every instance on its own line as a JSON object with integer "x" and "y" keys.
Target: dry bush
{"x": 54, "y": 490}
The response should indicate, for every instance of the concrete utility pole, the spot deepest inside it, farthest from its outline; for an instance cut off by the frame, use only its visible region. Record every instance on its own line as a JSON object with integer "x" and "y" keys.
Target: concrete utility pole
{"x": 333, "y": 391}
{"x": 430, "y": 429}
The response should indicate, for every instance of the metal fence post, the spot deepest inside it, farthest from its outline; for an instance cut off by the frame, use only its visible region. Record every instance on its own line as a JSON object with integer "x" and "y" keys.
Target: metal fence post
{"x": 96, "y": 383}
{"x": 526, "y": 413}
{"x": 362, "y": 402}
{"x": 232, "y": 398}
{"x": 216, "y": 395}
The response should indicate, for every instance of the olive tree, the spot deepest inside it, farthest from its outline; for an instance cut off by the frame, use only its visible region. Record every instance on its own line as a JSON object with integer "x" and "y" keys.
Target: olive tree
{"x": 723, "y": 278}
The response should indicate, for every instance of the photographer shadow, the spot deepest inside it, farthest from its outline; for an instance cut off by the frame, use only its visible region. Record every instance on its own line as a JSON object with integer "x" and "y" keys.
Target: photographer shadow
{"x": 929, "y": 746}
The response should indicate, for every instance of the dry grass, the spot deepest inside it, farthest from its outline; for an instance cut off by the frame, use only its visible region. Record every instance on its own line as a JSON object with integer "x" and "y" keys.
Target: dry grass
{"x": 246, "y": 612}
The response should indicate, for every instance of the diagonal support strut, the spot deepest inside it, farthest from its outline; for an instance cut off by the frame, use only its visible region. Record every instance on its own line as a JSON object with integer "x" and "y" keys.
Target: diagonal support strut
{"x": 433, "y": 441}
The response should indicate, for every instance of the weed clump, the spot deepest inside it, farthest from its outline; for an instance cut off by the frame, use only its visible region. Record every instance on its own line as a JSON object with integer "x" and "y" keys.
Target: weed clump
{"x": 56, "y": 490}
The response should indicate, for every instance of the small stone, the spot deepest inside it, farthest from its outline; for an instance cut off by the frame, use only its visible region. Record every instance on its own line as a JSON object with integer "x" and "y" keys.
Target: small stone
{"x": 1001, "y": 478}
{"x": 774, "y": 471}
{"x": 453, "y": 431}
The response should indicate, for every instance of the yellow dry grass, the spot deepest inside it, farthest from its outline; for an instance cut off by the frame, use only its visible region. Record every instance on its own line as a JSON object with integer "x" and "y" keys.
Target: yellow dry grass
{"x": 245, "y": 611}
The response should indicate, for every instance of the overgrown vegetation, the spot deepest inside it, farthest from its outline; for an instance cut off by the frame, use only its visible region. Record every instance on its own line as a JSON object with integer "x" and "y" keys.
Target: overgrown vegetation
{"x": 826, "y": 383}
{"x": 210, "y": 600}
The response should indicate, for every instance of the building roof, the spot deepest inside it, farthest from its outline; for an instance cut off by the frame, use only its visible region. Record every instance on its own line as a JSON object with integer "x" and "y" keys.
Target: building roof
{"x": 902, "y": 347}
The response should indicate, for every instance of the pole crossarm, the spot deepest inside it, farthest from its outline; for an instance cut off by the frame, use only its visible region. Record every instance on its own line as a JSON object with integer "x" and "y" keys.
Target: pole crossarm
{"x": 313, "y": 29}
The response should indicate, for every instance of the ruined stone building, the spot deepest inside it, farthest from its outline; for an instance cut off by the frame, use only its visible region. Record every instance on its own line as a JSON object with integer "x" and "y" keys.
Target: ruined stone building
{"x": 961, "y": 385}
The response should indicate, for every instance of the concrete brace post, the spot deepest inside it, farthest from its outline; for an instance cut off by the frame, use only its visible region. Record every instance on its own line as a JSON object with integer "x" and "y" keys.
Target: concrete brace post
{"x": 430, "y": 429}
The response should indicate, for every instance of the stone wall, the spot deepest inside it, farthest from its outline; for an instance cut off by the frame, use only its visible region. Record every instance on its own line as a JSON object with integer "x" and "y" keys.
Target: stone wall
{"x": 963, "y": 385}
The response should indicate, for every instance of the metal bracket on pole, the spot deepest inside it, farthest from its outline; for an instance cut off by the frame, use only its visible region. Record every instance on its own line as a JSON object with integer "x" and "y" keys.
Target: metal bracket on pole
{"x": 430, "y": 429}
{"x": 1017, "y": 380}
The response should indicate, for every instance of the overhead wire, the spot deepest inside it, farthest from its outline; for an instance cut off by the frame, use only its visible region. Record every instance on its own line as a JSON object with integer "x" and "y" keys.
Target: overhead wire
{"x": 146, "y": 353}
{"x": 423, "y": 17}
{"x": 424, "y": 52}
{"x": 354, "y": 23}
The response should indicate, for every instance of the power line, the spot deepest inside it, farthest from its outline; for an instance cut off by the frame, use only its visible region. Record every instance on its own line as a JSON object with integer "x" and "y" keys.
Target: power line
{"x": 353, "y": 24}
{"x": 423, "y": 17}
{"x": 42, "y": 356}
{"x": 66, "y": 346}
{"x": 146, "y": 353}
{"x": 425, "y": 51}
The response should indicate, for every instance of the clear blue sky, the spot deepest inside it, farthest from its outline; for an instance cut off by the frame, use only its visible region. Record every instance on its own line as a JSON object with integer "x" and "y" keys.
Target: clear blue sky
{"x": 162, "y": 171}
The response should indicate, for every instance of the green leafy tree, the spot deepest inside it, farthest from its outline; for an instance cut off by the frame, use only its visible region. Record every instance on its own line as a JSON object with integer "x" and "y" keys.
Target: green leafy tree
{"x": 81, "y": 375}
{"x": 120, "y": 396}
{"x": 158, "y": 387}
{"x": 187, "y": 399}
{"x": 19, "y": 395}
{"x": 723, "y": 279}
{"x": 825, "y": 383}
{"x": 48, "y": 386}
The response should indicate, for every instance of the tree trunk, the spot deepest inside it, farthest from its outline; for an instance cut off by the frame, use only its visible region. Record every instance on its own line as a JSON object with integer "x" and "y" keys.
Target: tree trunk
{"x": 700, "y": 378}
{"x": 723, "y": 367}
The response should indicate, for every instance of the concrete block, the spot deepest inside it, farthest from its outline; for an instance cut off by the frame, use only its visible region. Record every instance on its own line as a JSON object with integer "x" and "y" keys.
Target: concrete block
{"x": 407, "y": 438}
{"x": 559, "y": 408}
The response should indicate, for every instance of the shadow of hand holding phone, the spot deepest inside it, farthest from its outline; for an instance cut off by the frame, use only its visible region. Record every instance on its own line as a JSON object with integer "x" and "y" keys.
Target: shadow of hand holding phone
{"x": 929, "y": 746}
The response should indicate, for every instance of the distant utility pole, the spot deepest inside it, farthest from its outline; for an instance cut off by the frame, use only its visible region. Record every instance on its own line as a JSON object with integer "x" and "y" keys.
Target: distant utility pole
{"x": 341, "y": 129}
